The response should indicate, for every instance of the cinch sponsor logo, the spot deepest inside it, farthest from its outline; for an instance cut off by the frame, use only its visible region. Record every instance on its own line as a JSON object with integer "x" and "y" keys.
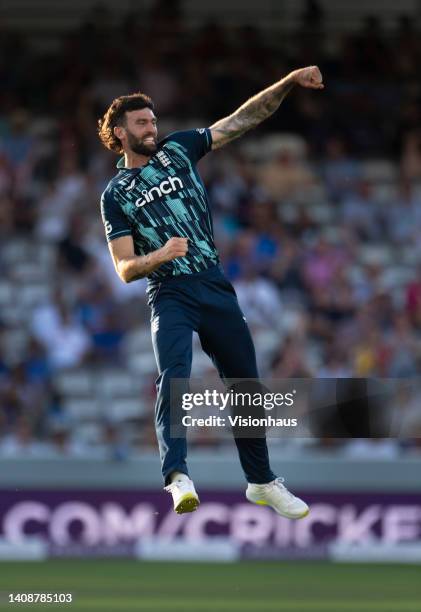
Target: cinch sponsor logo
{"x": 173, "y": 183}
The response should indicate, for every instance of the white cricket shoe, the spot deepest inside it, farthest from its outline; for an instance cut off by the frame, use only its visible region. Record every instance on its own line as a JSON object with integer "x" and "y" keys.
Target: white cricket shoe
{"x": 277, "y": 496}
{"x": 184, "y": 495}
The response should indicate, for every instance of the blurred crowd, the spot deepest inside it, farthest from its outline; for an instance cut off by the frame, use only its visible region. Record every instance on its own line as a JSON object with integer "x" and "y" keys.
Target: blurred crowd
{"x": 317, "y": 213}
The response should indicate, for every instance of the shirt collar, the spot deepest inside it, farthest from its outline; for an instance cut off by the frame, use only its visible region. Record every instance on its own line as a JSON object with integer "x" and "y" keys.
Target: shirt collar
{"x": 121, "y": 163}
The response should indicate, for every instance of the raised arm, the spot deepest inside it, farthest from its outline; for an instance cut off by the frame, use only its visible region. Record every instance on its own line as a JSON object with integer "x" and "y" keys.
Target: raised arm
{"x": 262, "y": 105}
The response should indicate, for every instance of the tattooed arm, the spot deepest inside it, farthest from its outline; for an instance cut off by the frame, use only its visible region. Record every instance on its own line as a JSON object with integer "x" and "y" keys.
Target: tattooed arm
{"x": 262, "y": 105}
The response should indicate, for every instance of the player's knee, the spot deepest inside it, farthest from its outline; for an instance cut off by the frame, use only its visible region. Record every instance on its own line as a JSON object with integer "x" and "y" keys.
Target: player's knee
{"x": 180, "y": 369}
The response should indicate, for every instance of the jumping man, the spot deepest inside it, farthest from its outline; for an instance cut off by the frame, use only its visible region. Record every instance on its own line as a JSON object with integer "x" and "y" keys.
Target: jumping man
{"x": 158, "y": 225}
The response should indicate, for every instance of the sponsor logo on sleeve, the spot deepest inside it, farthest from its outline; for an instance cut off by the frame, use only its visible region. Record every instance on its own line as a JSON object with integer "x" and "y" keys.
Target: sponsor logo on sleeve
{"x": 130, "y": 187}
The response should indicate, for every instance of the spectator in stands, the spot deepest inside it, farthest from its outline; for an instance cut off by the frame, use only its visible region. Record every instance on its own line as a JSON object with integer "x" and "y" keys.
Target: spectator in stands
{"x": 413, "y": 300}
{"x": 17, "y": 144}
{"x": 62, "y": 443}
{"x": 411, "y": 154}
{"x": 405, "y": 347}
{"x": 292, "y": 361}
{"x": 98, "y": 313}
{"x": 359, "y": 212}
{"x": 36, "y": 362}
{"x": 403, "y": 218}
{"x": 286, "y": 177}
{"x": 260, "y": 300}
{"x": 321, "y": 264}
{"x": 22, "y": 442}
{"x": 340, "y": 171}
{"x": 20, "y": 396}
{"x": 54, "y": 325}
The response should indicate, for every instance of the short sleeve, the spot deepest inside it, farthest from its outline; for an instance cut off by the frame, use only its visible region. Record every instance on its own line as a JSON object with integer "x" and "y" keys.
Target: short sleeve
{"x": 196, "y": 142}
{"x": 115, "y": 221}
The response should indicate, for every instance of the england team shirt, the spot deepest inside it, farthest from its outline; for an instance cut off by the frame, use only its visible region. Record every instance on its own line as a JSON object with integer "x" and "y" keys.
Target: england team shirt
{"x": 163, "y": 199}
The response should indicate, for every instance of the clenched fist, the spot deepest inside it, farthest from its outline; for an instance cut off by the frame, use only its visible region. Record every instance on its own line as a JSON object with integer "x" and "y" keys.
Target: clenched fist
{"x": 308, "y": 77}
{"x": 174, "y": 247}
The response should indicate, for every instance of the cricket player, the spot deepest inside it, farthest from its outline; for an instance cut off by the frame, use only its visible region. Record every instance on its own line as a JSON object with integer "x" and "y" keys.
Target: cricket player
{"x": 158, "y": 225}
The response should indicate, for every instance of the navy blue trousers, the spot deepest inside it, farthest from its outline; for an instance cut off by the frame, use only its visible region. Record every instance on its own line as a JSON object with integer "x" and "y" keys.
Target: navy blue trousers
{"x": 206, "y": 303}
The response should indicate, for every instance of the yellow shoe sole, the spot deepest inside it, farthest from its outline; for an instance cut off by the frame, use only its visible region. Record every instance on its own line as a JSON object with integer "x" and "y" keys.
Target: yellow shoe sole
{"x": 188, "y": 503}
{"x": 306, "y": 513}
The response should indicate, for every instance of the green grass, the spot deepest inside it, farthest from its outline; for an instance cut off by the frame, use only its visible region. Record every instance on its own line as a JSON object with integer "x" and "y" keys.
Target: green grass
{"x": 125, "y": 586}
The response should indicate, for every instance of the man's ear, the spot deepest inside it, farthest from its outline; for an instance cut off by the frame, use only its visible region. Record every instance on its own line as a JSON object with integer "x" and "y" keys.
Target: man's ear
{"x": 118, "y": 131}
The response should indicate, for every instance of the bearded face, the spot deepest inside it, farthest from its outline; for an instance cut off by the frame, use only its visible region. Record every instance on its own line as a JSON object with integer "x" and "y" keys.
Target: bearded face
{"x": 139, "y": 132}
{"x": 144, "y": 145}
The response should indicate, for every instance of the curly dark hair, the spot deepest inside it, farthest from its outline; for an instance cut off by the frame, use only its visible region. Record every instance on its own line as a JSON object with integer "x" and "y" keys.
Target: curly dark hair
{"x": 115, "y": 115}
